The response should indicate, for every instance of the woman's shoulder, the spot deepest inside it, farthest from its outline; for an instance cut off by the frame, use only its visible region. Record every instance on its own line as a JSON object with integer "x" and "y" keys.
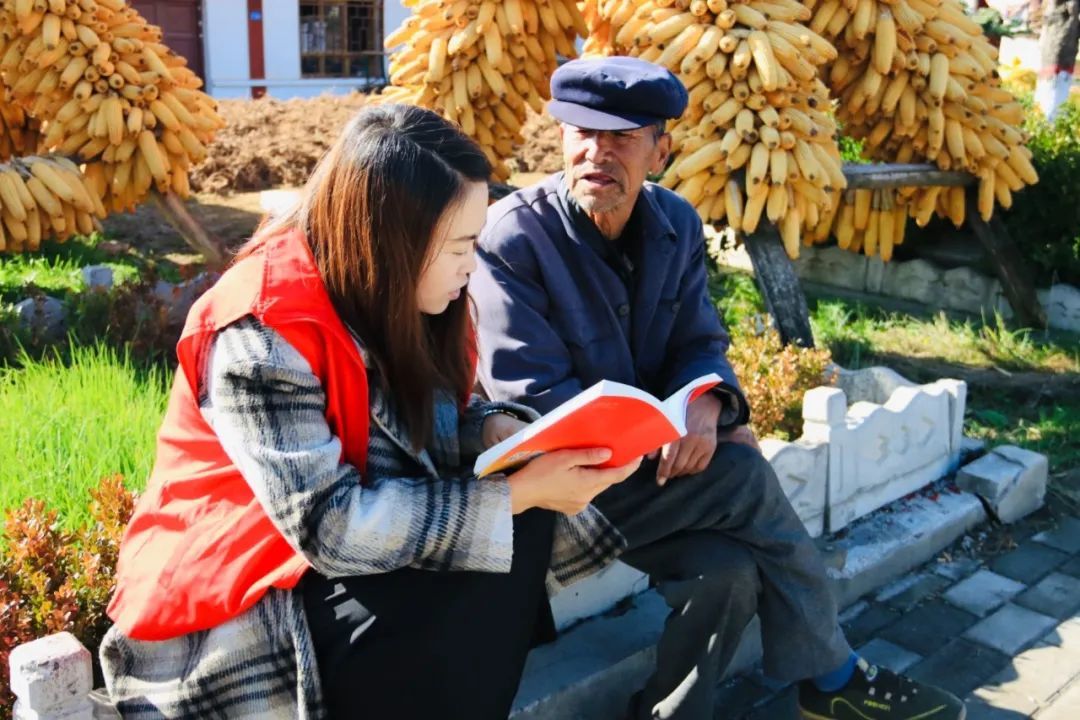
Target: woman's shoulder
{"x": 248, "y": 342}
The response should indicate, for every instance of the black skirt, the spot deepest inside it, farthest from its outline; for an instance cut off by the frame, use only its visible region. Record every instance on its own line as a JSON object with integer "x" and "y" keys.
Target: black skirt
{"x": 416, "y": 644}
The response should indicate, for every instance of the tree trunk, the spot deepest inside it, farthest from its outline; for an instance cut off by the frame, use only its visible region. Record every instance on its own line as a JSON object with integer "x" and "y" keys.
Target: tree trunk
{"x": 1057, "y": 48}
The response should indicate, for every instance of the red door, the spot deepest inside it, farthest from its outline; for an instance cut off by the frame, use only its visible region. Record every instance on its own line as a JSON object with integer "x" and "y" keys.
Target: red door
{"x": 181, "y": 22}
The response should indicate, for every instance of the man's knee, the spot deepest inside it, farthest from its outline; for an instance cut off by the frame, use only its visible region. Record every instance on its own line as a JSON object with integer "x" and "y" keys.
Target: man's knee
{"x": 717, "y": 571}
{"x": 738, "y": 479}
{"x": 742, "y": 460}
{"x": 733, "y": 572}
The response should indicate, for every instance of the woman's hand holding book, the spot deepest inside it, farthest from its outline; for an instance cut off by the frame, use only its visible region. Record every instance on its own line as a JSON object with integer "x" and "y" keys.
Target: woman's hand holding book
{"x": 565, "y": 480}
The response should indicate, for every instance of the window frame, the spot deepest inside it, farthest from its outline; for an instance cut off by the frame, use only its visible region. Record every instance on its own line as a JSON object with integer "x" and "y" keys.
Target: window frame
{"x": 373, "y": 59}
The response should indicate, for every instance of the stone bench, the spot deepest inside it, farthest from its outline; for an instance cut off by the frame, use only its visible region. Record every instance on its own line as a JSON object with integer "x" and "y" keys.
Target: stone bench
{"x": 893, "y": 439}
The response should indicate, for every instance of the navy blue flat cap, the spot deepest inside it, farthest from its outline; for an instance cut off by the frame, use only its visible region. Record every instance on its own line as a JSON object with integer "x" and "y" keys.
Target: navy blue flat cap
{"x": 615, "y": 93}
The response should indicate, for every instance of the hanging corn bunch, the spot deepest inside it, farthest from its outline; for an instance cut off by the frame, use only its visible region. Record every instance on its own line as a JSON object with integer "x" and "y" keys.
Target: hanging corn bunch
{"x": 106, "y": 93}
{"x": 871, "y": 221}
{"x": 917, "y": 81}
{"x": 18, "y": 133}
{"x": 44, "y": 196}
{"x": 481, "y": 63}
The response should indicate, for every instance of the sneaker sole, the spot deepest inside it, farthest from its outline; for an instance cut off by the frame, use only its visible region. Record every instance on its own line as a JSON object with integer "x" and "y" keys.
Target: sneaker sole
{"x": 807, "y": 715}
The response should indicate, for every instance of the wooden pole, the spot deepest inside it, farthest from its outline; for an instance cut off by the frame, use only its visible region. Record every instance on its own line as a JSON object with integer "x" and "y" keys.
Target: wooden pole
{"x": 784, "y": 297}
{"x": 1010, "y": 266}
{"x": 876, "y": 176}
{"x": 175, "y": 212}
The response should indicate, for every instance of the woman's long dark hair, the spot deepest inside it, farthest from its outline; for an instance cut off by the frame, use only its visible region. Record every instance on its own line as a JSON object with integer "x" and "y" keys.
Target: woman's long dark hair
{"x": 371, "y": 211}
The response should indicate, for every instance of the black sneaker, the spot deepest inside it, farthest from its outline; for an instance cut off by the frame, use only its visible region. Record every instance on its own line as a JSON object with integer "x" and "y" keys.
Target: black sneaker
{"x": 874, "y": 693}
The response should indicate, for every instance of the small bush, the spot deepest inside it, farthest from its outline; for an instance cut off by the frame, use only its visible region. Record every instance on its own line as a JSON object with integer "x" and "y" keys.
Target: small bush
{"x": 775, "y": 377}
{"x": 1045, "y": 219}
{"x": 53, "y": 580}
{"x": 851, "y": 150}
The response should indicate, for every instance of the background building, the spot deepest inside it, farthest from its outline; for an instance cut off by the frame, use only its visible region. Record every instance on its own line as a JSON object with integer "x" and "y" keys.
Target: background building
{"x": 284, "y": 48}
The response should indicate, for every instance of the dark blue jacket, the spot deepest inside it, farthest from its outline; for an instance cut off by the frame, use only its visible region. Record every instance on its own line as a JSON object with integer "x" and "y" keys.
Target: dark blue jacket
{"x": 554, "y": 317}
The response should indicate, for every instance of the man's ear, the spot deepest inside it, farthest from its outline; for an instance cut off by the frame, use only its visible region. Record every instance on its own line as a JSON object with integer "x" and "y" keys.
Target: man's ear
{"x": 660, "y": 158}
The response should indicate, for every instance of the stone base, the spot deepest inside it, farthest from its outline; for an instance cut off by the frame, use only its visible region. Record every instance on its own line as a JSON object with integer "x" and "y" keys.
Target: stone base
{"x": 1012, "y": 480}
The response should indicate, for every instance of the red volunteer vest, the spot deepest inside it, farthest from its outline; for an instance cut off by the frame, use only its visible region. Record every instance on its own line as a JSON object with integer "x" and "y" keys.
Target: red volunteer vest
{"x": 200, "y": 550}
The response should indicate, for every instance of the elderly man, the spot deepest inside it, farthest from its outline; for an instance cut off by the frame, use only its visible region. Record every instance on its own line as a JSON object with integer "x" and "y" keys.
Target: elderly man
{"x": 596, "y": 273}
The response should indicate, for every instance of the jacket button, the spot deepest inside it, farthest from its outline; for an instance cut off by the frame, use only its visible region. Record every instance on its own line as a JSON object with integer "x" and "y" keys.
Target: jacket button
{"x": 624, "y": 310}
{"x": 675, "y": 306}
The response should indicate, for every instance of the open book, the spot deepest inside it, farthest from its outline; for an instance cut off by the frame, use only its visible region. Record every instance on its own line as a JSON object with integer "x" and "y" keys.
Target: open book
{"x": 629, "y": 421}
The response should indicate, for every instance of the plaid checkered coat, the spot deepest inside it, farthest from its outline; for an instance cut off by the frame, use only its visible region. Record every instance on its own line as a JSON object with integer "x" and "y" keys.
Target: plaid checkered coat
{"x": 417, "y": 509}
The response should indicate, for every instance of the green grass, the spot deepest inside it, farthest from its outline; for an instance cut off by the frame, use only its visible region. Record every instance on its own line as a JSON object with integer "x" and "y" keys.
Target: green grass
{"x": 57, "y": 268}
{"x": 1052, "y": 430}
{"x": 852, "y": 331}
{"x": 66, "y": 425}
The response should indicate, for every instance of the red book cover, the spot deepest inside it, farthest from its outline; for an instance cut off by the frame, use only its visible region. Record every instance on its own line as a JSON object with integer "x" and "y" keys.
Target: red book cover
{"x": 629, "y": 421}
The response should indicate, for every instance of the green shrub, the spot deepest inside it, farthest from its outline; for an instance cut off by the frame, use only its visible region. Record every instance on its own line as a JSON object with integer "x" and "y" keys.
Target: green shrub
{"x": 775, "y": 377}
{"x": 53, "y": 580}
{"x": 851, "y": 150}
{"x": 130, "y": 317}
{"x": 1045, "y": 219}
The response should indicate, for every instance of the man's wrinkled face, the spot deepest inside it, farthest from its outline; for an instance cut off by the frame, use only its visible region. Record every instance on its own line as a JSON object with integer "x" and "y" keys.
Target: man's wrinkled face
{"x": 605, "y": 169}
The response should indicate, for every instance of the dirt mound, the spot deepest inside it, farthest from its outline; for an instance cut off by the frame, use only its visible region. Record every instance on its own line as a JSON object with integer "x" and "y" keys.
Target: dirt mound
{"x": 275, "y": 143}
{"x": 542, "y": 151}
{"x": 272, "y": 143}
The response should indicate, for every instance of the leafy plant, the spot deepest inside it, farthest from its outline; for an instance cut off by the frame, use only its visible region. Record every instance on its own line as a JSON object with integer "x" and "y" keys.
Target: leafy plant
{"x": 737, "y": 297}
{"x": 994, "y": 24}
{"x": 53, "y": 580}
{"x": 851, "y": 150}
{"x": 1045, "y": 219}
{"x": 775, "y": 377}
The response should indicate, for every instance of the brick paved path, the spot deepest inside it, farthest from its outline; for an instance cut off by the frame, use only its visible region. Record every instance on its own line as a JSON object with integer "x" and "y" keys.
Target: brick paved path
{"x": 1004, "y": 635}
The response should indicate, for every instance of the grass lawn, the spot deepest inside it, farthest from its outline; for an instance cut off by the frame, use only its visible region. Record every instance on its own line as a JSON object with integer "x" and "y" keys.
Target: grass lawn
{"x": 1023, "y": 386}
{"x": 67, "y": 424}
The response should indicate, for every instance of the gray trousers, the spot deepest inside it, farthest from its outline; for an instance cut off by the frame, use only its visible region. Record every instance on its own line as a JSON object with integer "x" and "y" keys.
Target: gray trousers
{"x": 721, "y": 546}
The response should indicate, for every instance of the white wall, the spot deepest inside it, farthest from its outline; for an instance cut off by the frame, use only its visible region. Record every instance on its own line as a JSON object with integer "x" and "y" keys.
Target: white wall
{"x": 225, "y": 38}
{"x": 394, "y": 13}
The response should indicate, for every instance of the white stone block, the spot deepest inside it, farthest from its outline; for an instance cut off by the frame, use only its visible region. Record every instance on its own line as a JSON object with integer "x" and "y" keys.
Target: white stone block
{"x": 824, "y": 408}
{"x": 1011, "y": 479}
{"x": 872, "y": 384}
{"x": 597, "y": 593}
{"x": 957, "y": 391}
{"x": 79, "y": 711}
{"x": 802, "y": 468}
{"x": 832, "y": 266}
{"x": 884, "y": 452}
{"x": 722, "y": 249}
{"x": 51, "y": 677}
{"x": 98, "y": 276}
{"x": 875, "y": 274}
{"x": 966, "y": 290}
{"x": 915, "y": 280}
{"x": 1062, "y": 303}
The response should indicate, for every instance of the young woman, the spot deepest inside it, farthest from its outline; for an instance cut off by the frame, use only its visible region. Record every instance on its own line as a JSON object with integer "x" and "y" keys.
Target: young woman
{"x": 311, "y": 542}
